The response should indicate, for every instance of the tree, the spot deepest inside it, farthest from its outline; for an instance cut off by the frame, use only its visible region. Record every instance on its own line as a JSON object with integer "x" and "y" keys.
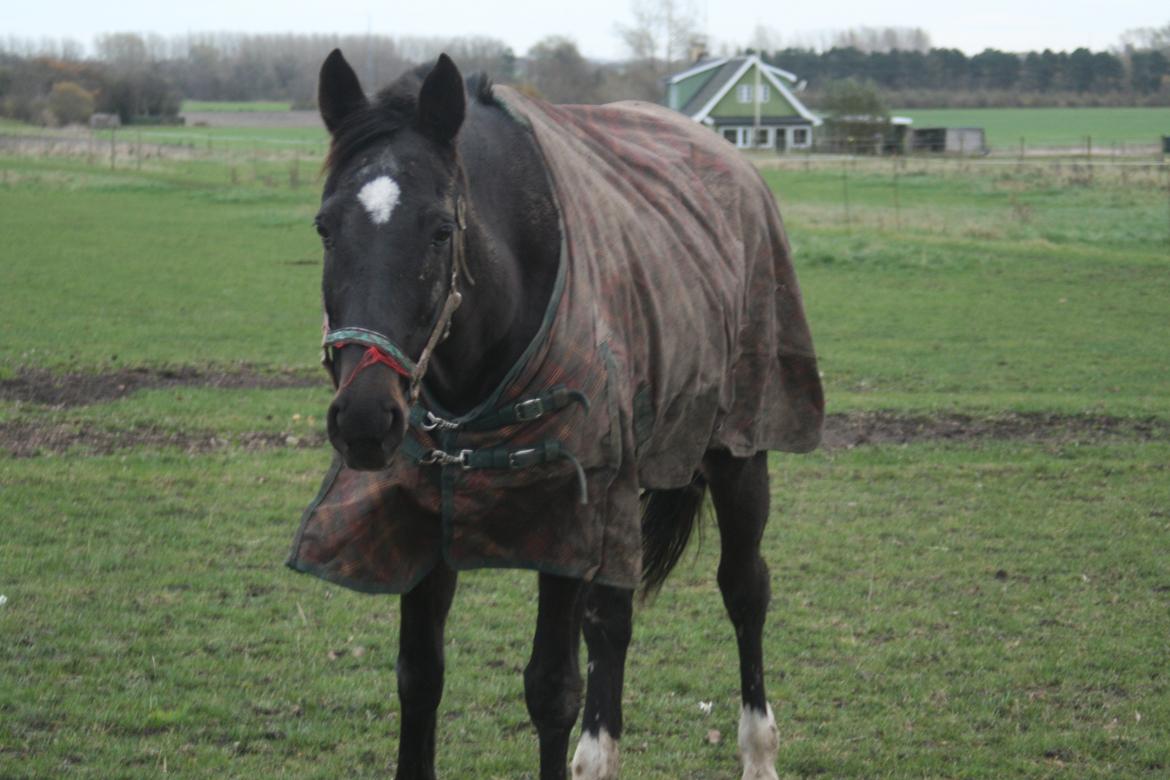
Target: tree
{"x": 852, "y": 98}
{"x": 70, "y": 103}
{"x": 663, "y": 34}
{"x": 1146, "y": 71}
{"x": 557, "y": 71}
{"x": 857, "y": 119}
{"x": 995, "y": 69}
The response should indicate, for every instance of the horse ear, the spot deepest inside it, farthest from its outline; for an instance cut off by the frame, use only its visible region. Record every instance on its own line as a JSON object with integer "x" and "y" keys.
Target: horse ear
{"x": 442, "y": 102}
{"x": 339, "y": 93}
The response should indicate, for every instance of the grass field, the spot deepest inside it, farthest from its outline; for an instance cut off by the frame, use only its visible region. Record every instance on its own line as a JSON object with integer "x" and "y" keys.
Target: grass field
{"x": 235, "y": 106}
{"x": 1052, "y": 127}
{"x": 969, "y": 607}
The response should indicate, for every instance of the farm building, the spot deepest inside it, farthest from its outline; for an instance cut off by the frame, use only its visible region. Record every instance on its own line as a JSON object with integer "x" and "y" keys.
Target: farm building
{"x": 948, "y": 140}
{"x": 750, "y": 103}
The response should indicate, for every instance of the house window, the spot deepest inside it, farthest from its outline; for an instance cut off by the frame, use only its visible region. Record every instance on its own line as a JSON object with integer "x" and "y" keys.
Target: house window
{"x": 731, "y": 134}
{"x": 763, "y": 141}
{"x": 800, "y": 136}
{"x": 743, "y": 93}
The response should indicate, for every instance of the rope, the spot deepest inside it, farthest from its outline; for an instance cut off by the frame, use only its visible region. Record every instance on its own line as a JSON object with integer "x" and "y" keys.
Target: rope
{"x": 373, "y": 356}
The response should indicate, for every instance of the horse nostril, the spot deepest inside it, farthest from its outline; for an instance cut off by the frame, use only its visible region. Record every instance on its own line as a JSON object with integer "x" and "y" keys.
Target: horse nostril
{"x": 332, "y": 421}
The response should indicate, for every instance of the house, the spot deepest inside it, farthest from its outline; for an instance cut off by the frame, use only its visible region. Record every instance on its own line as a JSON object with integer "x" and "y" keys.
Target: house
{"x": 749, "y": 102}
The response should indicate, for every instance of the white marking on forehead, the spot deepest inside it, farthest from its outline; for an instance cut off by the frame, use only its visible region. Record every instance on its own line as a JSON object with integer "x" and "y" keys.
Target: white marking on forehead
{"x": 380, "y": 196}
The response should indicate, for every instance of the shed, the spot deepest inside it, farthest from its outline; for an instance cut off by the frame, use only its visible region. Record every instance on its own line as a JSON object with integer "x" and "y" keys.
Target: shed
{"x": 104, "y": 121}
{"x": 948, "y": 140}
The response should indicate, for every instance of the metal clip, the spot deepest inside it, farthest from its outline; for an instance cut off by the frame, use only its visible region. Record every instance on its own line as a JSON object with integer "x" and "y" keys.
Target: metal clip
{"x": 531, "y": 409}
{"x": 431, "y": 422}
{"x": 438, "y": 457}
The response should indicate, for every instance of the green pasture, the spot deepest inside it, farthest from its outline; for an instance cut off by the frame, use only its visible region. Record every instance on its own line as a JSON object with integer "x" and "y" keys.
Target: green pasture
{"x": 1052, "y": 127}
{"x": 235, "y": 106}
{"x": 985, "y": 609}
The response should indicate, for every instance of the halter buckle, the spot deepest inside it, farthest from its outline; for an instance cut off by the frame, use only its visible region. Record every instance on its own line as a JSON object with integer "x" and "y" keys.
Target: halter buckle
{"x": 514, "y": 457}
{"x": 529, "y": 410}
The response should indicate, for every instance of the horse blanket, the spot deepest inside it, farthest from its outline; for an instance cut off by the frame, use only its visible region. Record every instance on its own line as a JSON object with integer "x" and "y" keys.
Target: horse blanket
{"x": 676, "y": 314}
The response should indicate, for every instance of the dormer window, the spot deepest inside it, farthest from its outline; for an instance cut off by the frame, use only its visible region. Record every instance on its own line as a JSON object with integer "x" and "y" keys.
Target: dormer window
{"x": 743, "y": 93}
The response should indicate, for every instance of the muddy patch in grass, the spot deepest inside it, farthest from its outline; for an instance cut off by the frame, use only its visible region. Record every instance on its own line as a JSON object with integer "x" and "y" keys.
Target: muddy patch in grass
{"x": 856, "y": 429}
{"x": 26, "y": 439}
{"x": 32, "y": 438}
{"x": 80, "y": 389}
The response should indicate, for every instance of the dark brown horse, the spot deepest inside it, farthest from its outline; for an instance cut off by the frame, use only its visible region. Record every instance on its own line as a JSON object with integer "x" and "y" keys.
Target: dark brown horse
{"x": 552, "y": 330}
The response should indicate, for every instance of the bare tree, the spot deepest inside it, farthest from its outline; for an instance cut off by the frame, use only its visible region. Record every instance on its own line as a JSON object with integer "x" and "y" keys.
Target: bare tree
{"x": 663, "y": 33}
{"x": 559, "y": 73}
{"x": 1147, "y": 39}
{"x": 123, "y": 50}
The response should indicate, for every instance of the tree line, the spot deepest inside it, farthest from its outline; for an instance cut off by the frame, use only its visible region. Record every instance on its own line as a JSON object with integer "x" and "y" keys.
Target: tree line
{"x": 1081, "y": 76}
{"x": 145, "y": 77}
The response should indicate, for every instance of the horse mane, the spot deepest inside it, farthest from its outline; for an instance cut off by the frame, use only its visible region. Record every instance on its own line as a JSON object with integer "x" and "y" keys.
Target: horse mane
{"x": 392, "y": 109}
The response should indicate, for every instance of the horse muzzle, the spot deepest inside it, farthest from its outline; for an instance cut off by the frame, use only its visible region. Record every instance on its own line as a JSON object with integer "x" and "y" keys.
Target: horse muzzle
{"x": 367, "y": 419}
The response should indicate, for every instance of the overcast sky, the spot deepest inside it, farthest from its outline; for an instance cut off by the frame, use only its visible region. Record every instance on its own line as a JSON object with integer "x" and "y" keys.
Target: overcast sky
{"x": 1013, "y": 25}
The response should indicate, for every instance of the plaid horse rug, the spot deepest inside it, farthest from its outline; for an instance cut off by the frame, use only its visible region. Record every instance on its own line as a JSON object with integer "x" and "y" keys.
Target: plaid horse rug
{"x": 675, "y": 326}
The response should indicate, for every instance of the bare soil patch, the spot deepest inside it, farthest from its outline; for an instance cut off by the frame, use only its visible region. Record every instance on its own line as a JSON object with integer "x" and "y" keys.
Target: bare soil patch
{"x": 26, "y": 438}
{"x": 843, "y": 431}
{"x": 79, "y": 389}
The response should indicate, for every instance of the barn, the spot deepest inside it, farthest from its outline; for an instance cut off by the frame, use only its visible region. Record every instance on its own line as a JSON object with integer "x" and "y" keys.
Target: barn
{"x": 749, "y": 102}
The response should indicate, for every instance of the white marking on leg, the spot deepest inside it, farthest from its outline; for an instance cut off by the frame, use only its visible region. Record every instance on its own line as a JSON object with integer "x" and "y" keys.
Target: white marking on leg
{"x": 596, "y": 757}
{"x": 759, "y": 743}
{"x": 380, "y": 196}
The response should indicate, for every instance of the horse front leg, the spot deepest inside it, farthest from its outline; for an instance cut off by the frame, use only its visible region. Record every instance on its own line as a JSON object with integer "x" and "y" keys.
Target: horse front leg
{"x": 552, "y": 680}
{"x": 607, "y": 628}
{"x": 420, "y": 671}
{"x": 739, "y": 491}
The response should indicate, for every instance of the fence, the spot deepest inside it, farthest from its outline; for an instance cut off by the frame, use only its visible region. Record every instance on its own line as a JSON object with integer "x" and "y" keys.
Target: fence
{"x": 273, "y": 161}
{"x": 269, "y": 160}
{"x": 880, "y": 192}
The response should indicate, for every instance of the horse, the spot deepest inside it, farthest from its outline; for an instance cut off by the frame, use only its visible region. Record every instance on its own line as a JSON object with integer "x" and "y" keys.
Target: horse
{"x": 553, "y": 331}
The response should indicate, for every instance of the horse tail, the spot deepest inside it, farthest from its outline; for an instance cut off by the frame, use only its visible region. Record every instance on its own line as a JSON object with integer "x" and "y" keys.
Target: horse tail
{"x": 668, "y": 518}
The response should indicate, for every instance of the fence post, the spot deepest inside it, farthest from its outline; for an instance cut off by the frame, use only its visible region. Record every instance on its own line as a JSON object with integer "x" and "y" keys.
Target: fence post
{"x": 897, "y": 200}
{"x": 845, "y": 190}
{"x": 113, "y": 146}
{"x": 1166, "y": 179}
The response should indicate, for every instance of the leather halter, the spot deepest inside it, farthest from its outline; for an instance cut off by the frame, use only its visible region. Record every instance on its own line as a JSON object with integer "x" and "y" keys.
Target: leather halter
{"x": 380, "y": 348}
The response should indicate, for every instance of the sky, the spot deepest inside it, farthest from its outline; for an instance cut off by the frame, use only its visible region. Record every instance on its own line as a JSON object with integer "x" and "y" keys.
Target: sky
{"x": 1011, "y": 25}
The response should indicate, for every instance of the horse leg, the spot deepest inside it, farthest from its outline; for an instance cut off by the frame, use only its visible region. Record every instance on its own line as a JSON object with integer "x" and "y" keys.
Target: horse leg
{"x": 552, "y": 680}
{"x": 420, "y": 670}
{"x": 739, "y": 491}
{"x": 607, "y": 628}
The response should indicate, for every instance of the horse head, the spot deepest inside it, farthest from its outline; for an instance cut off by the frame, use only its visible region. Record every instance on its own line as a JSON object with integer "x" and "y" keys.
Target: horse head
{"x": 392, "y": 222}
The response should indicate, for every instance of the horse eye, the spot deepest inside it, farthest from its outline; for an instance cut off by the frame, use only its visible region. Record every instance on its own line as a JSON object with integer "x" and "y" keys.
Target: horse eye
{"x": 442, "y": 235}
{"x": 323, "y": 232}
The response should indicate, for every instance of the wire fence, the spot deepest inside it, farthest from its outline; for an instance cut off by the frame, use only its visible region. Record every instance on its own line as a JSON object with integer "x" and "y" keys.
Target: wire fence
{"x": 281, "y": 161}
{"x": 271, "y": 160}
{"x": 885, "y": 192}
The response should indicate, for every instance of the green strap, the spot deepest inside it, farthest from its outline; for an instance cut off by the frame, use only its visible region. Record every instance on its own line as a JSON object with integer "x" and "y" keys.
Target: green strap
{"x": 498, "y": 458}
{"x": 370, "y": 338}
{"x": 525, "y": 410}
